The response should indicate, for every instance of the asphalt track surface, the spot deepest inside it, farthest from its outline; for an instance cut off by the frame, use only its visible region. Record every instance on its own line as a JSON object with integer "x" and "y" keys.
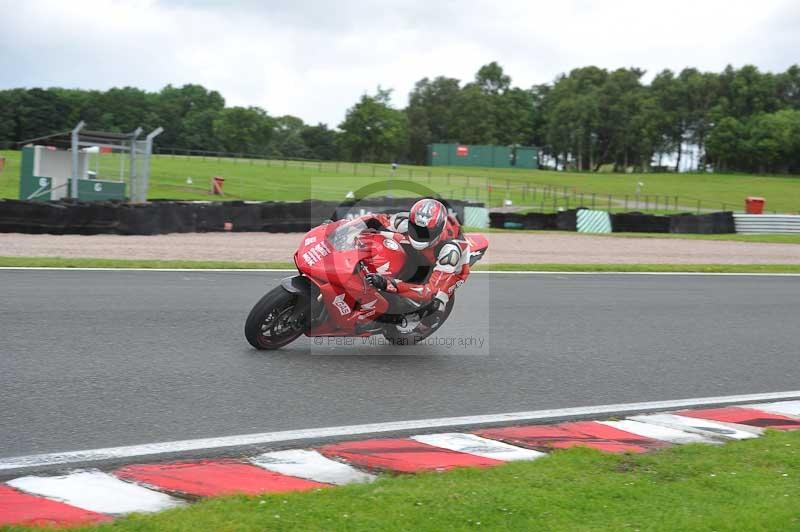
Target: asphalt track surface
{"x": 109, "y": 358}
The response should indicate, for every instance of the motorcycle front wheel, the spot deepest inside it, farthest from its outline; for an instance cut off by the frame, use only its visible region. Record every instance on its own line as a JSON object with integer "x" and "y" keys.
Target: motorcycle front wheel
{"x": 426, "y": 327}
{"x": 269, "y": 325}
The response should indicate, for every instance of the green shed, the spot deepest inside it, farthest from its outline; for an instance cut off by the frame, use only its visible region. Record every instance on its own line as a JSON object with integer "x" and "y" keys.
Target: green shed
{"x": 482, "y": 155}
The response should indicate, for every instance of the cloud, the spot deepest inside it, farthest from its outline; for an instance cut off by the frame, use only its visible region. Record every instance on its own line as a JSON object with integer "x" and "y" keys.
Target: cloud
{"x": 315, "y": 58}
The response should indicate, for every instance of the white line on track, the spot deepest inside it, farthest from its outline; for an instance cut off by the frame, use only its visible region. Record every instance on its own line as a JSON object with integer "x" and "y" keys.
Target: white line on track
{"x": 513, "y": 272}
{"x": 116, "y": 453}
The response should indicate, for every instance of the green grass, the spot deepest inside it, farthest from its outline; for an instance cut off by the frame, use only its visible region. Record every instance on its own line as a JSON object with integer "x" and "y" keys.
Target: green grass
{"x": 749, "y": 485}
{"x": 294, "y": 180}
{"x": 59, "y": 262}
{"x": 733, "y": 237}
{"x": 647, "y": 268}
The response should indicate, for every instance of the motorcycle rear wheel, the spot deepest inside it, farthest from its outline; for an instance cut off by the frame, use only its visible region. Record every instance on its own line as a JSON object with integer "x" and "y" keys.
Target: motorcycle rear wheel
{"x": 426, "y": 327}
{"x": 268, "y": 324}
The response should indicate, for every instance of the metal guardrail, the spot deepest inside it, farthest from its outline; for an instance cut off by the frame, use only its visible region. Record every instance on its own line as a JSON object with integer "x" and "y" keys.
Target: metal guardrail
{"x": 766, "y": 223}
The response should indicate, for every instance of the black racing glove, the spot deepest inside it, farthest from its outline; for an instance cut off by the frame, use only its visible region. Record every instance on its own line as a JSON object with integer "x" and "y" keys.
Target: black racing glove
{"x": 377, "y": 280}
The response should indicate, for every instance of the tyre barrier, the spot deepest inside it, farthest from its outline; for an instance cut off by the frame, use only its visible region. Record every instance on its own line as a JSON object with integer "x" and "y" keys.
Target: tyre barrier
{"x": 161, "y": 217}
{"x": 631, "y": 222}
{"x": 562, "y": 221}
{"x": 637, "y": 222}
{"x": 707, "y": 224}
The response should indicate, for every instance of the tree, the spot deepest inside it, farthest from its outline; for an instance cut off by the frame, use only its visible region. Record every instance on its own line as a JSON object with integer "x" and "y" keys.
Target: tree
{"x": 725, "y": 143}
{"x": 431, "y": 114}
{"x": 374, "y": 131}
{"x": 175, "y": 105}
{"x": 243, "y": 130}
{"x": 321, "y": 141}
{"x": 773, "y": 143}
{"x": 286, "y": 140}
{"x": 491, "y": 79}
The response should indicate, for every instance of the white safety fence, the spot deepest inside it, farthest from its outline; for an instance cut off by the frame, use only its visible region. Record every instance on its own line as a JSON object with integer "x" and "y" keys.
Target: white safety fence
{"x": 766, "y": 223}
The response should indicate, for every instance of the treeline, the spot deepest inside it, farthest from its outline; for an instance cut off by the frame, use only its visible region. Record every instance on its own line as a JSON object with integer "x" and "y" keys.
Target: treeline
{"x": 736, "y": 120}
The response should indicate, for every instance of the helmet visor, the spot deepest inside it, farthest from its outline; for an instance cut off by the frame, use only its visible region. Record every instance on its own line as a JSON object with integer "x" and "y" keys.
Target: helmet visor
{"x": 420, "y": 234}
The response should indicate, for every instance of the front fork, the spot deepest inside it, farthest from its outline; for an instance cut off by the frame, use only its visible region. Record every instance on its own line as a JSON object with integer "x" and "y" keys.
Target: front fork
{"x": 307, "y": 294}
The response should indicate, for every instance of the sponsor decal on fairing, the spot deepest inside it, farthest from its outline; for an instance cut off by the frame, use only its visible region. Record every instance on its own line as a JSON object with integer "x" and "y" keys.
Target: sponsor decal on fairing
{"x": 315, "y": 254}
{"x": 339, "y": 303}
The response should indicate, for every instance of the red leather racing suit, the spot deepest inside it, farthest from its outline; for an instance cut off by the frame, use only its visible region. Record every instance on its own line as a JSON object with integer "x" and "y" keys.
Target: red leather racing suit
{"x": 449, "y": 258}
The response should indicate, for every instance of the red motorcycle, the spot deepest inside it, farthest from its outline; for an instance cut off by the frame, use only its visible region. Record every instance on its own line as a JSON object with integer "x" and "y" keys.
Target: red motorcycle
{"x": 331, "y": 296}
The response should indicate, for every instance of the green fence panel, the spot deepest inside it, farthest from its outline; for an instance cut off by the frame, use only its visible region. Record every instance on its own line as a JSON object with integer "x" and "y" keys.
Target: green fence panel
{"x": 527, "y": 158}
{"x": 97, "y": 190}
{"x": 35, "y": 188}
{"x": 482, "y": 155}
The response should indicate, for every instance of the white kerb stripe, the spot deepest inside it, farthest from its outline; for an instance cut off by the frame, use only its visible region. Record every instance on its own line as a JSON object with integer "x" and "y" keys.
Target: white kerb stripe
{"x": 703, "y": 427}
{"x": 657, "y": 432}
{"x": 96, "y": 491}
{"x": 472, "y": 444}
{"x": 785, "y": 408}
{"x": 310, "y": 465}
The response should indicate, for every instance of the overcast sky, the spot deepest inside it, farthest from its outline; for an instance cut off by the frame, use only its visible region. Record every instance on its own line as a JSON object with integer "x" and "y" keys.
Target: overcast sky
{"x": 315, "y": 58}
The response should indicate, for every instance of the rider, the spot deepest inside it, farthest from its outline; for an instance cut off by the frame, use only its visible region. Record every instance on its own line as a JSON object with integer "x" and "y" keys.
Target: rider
{"x": 436, "y": 236}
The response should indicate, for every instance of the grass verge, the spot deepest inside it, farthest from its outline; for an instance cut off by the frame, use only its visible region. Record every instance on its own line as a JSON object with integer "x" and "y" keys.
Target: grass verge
{"x": 747, "y": 485}
{"x": 792, "y": 238}
{"x": 646, "y": 268}
{"x": 765, "y": 238}
{"x": 59, "y": 262}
